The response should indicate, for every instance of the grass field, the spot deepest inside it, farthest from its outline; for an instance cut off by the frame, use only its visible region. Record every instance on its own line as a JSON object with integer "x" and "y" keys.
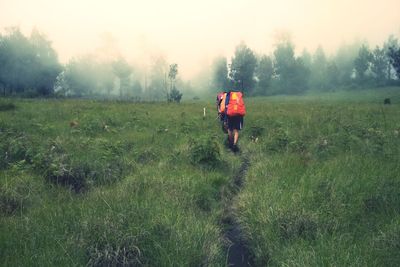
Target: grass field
{"x": 134, "y": 184}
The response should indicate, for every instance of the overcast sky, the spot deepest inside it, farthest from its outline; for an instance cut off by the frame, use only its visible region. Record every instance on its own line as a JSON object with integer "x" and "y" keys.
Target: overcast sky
{"x": 191, "y": 33}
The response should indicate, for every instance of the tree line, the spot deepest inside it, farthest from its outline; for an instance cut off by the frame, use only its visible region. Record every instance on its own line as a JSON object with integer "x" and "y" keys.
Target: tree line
{"x": 354, "y": 66}
{"x": 29, "y": 66}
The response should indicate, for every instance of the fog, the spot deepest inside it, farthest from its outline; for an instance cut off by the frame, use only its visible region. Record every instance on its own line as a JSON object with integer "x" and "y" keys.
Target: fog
{"x": 192, "y": 33}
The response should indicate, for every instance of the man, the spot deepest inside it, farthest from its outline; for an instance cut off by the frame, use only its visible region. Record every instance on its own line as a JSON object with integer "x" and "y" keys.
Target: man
{"x": 221, "y": 110}
{"x": 235, "y": 111}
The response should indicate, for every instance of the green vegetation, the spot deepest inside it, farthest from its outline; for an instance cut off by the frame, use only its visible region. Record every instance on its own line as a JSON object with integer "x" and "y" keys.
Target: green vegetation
{"x": 110, "y": 183}
{"x": 134, "y": 184}
{"x": 323, "y": 189}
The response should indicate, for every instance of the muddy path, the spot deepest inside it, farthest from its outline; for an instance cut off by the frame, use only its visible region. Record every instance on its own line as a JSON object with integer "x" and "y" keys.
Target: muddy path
{"x": 237, "y": 251}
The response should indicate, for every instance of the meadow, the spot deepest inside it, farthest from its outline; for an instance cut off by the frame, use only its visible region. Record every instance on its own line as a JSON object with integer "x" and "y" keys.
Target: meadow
{"x": 118, "y": 183}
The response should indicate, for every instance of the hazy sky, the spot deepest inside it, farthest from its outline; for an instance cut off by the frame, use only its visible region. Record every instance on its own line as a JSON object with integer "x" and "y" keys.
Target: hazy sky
{"x": 191, "y": 33}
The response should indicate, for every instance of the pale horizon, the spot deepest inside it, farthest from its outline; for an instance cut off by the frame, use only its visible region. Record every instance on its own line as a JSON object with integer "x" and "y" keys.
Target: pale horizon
{"x": 192, "y": 33}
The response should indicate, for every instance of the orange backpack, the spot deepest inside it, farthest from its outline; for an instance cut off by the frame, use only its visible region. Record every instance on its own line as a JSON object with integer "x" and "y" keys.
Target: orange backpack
{"x": 236, "y": 105}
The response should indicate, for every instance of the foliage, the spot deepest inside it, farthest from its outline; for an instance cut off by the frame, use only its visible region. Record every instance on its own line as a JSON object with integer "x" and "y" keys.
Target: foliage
{"x": 362, "y": 62}
{"x": 122, "y": 70}
{"x": 394, "y": 58}
{"x": 79, "y": 77}
{"x": 344, "y": 60}
{"x": 319, "y": 70}
{"x": 391, "y": 42}
{"x": 292, "y": 74}
{"x": 27, "y": 63}
{"x": 158, "y": 89}
{"x": 242, "y": 69}
{"x": 175, "y": 95}
{"x": 264, "y": 74}
{"x": 379, "y": 64}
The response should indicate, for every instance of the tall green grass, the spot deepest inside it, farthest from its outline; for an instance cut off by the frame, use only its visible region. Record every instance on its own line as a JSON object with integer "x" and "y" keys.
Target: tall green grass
{"x": 137, "y": 184}
{"x": 125, "y": 184}
{"x": 323, "y": 189}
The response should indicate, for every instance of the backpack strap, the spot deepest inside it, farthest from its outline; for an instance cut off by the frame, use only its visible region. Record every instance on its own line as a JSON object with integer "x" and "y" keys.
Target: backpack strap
{"x": 228, "y": 97}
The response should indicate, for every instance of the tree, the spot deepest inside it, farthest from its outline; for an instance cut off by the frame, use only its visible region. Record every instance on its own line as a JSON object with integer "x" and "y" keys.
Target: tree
{"x": 27, "y": 64}
{"x": 264, "y": 73}
{"x": 220, "y": 80}
{"x": 79, "y": 77}
{"x": 394, "y": 58}
{"x": 379, "y": 63}
{"x": 284, "y": 61}
{"x": 46, "y": 64}
{"x": 157, "y": 88}
{"x": 300, "y": 77}
{"x": 173, "y": 71}
{"x": 85, "y": 76}
{"x": 362, "y": 62}
{"x": 390, "y": 44}
{"x": 332, "y": 75}
{"x": 137, "y": 90}
{"x": 175, "y": 95}
{"x": 292, "y": 74}
{"x": 344, "y": 61}
{"x": 105, "y": 78}
{"x": 306, "y": 58}
{"x": 16, "y": 53}
{"x": 242, "y": 69}
{"x": 319, "y": 70}
{"x": 122, "y": 70}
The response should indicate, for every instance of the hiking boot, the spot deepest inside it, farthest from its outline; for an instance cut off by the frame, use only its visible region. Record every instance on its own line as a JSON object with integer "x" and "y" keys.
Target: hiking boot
{"x": 235, "y": 148}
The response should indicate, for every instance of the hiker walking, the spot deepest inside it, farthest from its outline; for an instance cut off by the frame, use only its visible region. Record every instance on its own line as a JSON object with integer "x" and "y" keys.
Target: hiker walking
{"x": 233, "y": 109}
{"x": 221, "y": 111}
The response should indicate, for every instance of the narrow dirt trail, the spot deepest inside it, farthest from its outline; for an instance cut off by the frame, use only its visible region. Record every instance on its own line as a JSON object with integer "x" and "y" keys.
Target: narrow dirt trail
{"x": 237, "y": 252}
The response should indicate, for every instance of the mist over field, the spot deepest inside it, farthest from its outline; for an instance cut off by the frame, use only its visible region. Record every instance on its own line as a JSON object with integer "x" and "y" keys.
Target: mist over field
{"x": 193, "y": 33}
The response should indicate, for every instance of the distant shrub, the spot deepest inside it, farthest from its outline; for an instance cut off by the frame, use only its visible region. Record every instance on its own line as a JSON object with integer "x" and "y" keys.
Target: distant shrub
{"x": 175, "y": 96}
{"x": 205, "y": 151}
